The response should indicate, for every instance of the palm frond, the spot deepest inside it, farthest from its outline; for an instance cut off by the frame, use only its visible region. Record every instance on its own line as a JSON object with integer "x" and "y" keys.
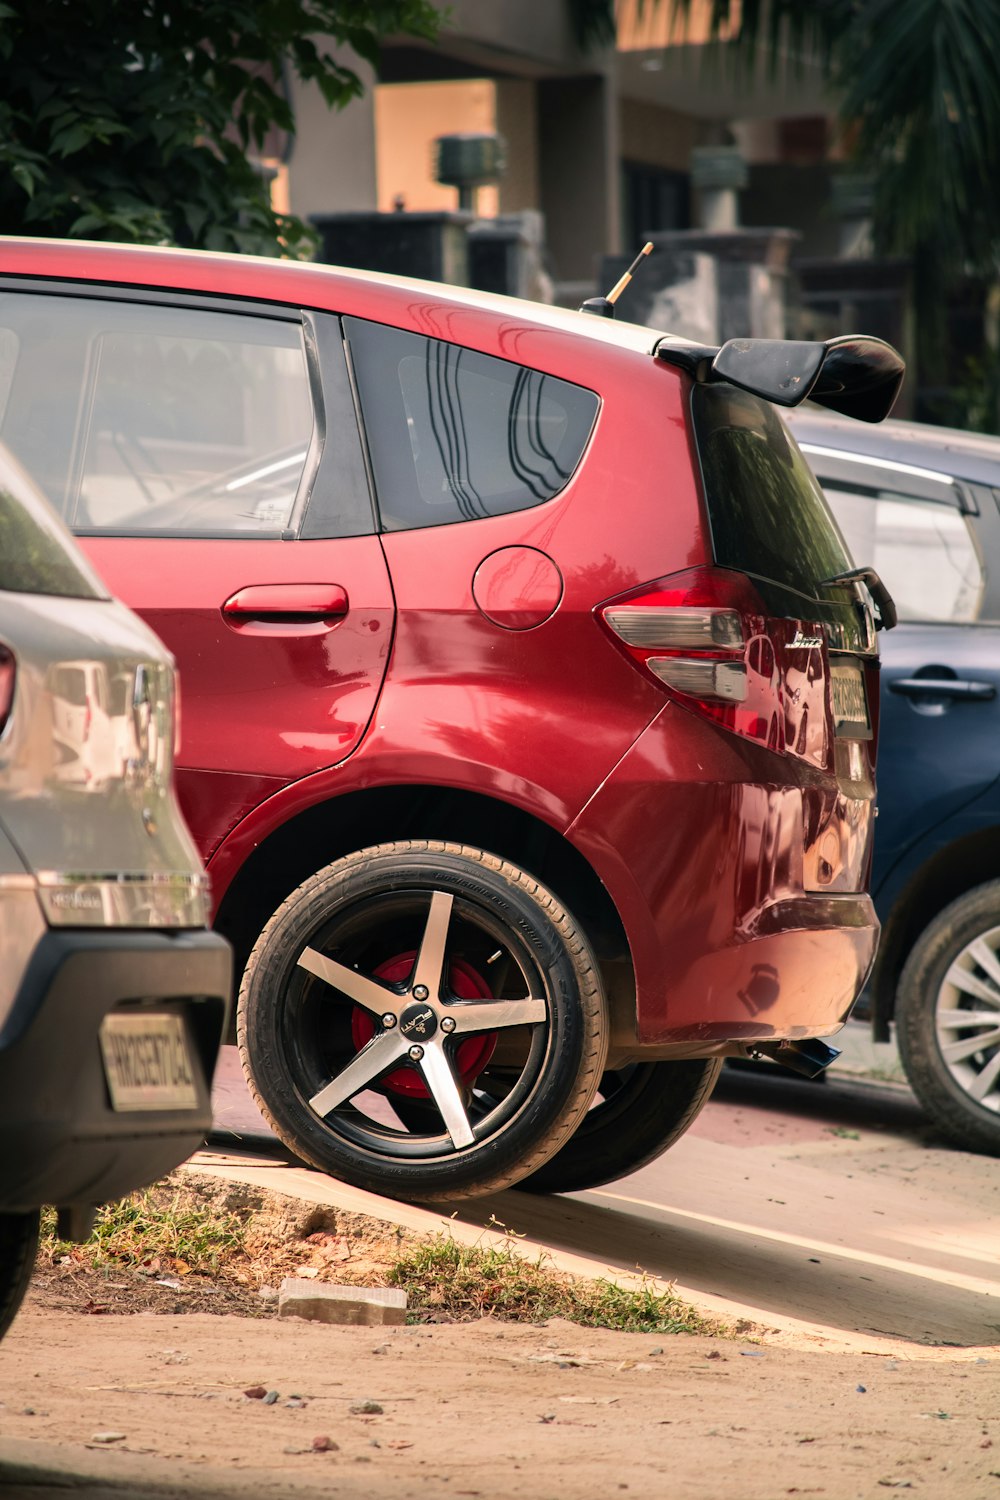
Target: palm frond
{"x": 919, "y": 88}
{"x": 593, "y": 22}
{"x": 922, "y": 81}
{"x": 784, "y": 34}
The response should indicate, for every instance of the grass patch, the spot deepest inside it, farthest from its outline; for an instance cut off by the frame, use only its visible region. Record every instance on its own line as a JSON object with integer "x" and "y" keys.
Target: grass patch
{"x": 191, "y": 1236}
{"x": 168, "y": 1230}
{"x": 469, "y": 1281}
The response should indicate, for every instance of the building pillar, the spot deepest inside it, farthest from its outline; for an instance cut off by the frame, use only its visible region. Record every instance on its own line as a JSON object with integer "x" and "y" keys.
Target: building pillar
{"x": 332, "y": 162}
{"x": 579, "y": 173}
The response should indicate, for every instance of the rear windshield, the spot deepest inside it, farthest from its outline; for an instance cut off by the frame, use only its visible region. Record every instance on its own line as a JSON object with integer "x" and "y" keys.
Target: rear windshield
{"x": 767, "y": 512}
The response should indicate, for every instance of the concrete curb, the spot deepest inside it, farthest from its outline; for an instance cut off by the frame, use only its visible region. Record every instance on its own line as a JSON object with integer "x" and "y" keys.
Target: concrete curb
{"x": 309, "y": 1186}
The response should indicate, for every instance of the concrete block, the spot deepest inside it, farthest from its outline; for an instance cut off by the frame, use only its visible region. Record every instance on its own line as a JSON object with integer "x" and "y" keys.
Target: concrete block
{"x": 319, "y": 1302}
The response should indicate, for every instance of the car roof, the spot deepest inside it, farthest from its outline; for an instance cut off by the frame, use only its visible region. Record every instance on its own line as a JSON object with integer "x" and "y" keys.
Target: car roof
{"x": 305, "y": 284}
{"x": 970, "y": 456}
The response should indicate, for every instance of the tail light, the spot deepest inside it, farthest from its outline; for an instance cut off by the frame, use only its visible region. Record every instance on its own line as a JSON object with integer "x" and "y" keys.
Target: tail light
{"x": 706, "y": 636}
{"x": 6, "y": 685}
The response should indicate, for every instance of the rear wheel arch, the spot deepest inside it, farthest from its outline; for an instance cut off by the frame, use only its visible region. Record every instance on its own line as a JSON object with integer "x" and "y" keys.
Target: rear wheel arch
{"x": 949, "y": 873}
{"x": 312, "y": 839}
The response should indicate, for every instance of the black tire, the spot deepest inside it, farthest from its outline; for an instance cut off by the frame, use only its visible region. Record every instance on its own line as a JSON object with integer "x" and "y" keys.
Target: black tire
{"x": 437, "y": 978}
{"x": 954, "y": 1066}
{"x": 637, "y": 1113}
{"x": 18, "y": 1247}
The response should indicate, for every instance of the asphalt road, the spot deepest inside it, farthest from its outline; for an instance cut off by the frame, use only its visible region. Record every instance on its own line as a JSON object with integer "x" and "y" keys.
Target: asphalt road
{"x": 827, "y": 1208}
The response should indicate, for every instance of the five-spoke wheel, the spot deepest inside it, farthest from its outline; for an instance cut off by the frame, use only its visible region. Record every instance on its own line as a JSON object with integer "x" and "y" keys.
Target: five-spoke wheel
{"x": 422, "y": 1020}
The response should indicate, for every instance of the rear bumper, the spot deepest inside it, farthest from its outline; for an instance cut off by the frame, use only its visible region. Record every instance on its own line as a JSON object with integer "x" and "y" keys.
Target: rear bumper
{"x": 707, "y": 876}
{"x": 61, "y": 1141}
{"x": 793, "y": 973}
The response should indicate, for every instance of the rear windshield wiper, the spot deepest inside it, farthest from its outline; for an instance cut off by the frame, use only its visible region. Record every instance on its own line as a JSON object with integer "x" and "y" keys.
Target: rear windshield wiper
{"x": 885, "y": 608}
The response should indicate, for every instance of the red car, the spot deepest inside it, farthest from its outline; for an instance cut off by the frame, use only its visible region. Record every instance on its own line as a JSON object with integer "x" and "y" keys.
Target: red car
{"x": 528, "y": 693}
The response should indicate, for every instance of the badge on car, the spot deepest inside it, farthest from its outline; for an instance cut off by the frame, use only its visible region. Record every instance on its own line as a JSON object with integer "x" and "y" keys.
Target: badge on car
{"x": 147, "y": 1062}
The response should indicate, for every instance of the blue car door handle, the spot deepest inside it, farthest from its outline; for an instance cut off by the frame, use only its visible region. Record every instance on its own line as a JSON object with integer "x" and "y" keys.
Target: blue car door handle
{"x": 942, "y": 687}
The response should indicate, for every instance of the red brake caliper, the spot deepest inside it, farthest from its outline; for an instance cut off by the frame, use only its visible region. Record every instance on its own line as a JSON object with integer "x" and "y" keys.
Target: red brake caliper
{"x": 472, "y": 1055}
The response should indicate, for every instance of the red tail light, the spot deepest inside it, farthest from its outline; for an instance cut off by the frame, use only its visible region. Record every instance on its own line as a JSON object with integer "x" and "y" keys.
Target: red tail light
{"x": 706, "y": 636}
{"x": 6, "y": 685}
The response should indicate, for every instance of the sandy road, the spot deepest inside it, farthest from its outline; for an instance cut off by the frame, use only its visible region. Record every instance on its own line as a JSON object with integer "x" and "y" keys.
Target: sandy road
{"x": 487, "y": 1409}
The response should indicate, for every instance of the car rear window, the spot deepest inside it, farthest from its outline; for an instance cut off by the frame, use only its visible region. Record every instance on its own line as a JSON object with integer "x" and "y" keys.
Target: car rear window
{"x": 455, "y": 435}
{"x": 767, "y": 512}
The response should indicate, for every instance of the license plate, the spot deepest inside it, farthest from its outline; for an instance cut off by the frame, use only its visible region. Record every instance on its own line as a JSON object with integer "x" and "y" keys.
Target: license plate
{"x": 147, "y": 1062}
{"x": 850, "y": 703}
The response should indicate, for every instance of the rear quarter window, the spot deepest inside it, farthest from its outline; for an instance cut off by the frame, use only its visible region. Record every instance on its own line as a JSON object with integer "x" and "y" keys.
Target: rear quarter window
{"x": 767, "y": 513}
{"x": 457, "y": 436}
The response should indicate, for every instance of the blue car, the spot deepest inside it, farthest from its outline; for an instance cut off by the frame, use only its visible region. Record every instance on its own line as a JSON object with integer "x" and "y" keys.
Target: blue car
{"x": 922, "y": 506}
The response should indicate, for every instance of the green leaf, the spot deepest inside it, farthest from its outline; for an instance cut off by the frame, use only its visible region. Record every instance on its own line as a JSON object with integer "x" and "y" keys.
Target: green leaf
{"x": 117, "y": 124}
{"x": 24, "y": 177}
{"x": 84, "y": 223}
{"x": 73, "y": 139}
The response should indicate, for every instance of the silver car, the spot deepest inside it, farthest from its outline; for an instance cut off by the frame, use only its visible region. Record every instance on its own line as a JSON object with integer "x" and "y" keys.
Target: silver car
{"x": 113, "y": 995}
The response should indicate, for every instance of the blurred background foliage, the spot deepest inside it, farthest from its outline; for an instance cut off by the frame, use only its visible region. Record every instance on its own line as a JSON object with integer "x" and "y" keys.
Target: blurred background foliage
{"x": 916, "y": 86}
{"x": 142, "y": 122}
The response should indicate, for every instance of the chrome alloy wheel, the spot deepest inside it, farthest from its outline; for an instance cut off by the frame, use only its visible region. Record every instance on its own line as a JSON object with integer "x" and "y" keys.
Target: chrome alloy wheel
{"x": 421, "y": 1025}
{"x": 423, "y": 1020}
{"x": 967, "y": 1019}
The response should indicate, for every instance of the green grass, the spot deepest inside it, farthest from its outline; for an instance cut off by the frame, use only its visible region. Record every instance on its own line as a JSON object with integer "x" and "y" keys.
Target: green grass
{"x": 463, "y": 1282}
{"x": 156, "y": 1225}
{"x": 183, "y": 1226}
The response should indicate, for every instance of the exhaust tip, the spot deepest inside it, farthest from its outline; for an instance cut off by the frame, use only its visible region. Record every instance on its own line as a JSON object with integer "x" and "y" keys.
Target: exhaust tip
{"x": 810, "y": 1057}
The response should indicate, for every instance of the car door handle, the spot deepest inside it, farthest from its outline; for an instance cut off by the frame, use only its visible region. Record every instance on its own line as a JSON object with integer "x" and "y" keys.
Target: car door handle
{"x": 316, "y": 605}
{"x": 942, "y": 687}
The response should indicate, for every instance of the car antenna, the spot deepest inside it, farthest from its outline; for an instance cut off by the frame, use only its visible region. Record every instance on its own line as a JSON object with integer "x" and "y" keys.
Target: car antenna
{"x": 604, "y": 307}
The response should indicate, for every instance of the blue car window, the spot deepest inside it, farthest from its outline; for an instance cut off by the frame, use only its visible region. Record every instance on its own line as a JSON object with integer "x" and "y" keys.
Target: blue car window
{"x": 922, "y": 550}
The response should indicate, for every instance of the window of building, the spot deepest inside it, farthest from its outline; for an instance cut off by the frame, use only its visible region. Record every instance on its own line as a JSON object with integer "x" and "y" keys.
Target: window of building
{"x": 653, "y": 198}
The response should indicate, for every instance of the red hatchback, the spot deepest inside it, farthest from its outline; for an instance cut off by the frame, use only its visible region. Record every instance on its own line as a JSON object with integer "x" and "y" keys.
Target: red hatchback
{"x": 528, "y": 694}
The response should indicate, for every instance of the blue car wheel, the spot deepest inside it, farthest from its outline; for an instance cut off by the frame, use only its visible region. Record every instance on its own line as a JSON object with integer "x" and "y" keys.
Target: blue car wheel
{"x": 948, "y": 1019}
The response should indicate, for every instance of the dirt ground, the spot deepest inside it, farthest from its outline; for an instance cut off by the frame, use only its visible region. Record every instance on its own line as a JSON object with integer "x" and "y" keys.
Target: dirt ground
{"x": 130, "y": 1383}
{"x": 483, "y": 1409}
{"x": 280, "y": 1236}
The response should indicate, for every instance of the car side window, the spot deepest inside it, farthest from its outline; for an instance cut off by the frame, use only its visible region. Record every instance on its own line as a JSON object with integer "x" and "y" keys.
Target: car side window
{"x": 9, "y": 344}
{"x": 455, "y": 435}
{"x": 922, "y": 550}
{"x": 144, "y": 419}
